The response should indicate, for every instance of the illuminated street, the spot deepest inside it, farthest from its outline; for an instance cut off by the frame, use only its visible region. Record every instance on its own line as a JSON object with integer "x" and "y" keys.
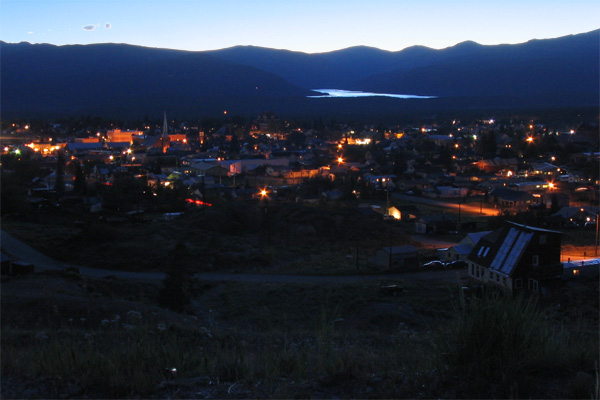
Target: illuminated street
{"x": 470, "y": 209}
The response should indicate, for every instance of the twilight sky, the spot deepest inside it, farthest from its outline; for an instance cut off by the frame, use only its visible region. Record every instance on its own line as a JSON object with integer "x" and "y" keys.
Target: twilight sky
{"x": 302, "y": 25}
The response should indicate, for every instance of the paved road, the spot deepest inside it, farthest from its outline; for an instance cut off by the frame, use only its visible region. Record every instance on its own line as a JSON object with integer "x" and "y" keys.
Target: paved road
{"x": 22, "y": 252}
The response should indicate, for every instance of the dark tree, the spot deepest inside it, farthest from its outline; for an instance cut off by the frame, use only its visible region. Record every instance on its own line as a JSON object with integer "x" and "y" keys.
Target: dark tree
{"x": 554, "y": 206}
{"x": 176, "y": 286}
{"x": 59, "y": 185}
{"x": 79, "y": 185}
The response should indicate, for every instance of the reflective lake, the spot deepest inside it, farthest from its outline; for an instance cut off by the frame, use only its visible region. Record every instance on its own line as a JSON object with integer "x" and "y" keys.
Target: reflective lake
{"x": 352, "y": 93}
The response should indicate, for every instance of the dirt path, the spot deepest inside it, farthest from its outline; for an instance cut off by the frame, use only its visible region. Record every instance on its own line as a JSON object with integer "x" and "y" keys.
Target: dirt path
{"x": 23, "y": 252}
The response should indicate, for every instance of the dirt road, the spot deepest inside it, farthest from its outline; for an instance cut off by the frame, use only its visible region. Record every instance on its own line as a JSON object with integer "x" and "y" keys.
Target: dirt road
{"x": 23, "y": 252}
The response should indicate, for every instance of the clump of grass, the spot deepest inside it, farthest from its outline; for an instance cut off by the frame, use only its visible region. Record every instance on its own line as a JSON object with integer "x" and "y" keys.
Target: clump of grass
{"x": 505, "y": 346}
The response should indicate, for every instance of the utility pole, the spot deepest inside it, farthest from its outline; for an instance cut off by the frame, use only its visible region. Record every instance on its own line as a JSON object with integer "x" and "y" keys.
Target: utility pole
{"x": 596, "y": 242}
{"x": 390, "y": 257}
{"x": 356, "y": 253}
{"x": 203, "y": 194}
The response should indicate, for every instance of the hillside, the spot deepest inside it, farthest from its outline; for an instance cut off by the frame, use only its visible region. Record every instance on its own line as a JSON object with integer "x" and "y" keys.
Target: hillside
{"x": 561, "y": 70}
{"x": 111, "y": 78}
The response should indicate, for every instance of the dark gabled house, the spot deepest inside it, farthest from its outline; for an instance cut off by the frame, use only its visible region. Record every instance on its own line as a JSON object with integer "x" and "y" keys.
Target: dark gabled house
{"x": 398, "y": 258}
{"x": 517, "y": 257}
{"x": 513, "y": 199}
{"x": 437, "y": 223}
{"x": 577, "y": 216}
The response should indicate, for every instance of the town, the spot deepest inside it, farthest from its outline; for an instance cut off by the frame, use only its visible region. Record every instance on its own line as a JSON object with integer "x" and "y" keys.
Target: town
{"x": 480, "y": 168}
{"x": 262, "y": 229}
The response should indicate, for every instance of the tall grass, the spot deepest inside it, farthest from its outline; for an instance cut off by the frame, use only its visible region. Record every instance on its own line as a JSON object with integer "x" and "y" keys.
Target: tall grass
{"x": 115, "y": 362}
{"x": 121, "y": 363}
{"x": 504, "y": 346}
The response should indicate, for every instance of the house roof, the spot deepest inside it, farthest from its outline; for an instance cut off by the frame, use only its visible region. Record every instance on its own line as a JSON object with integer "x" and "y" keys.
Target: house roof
{"x": 532, "y": 228}
{"x": 475, "y": 237}
{"x": 84, "y": 146}
{"x": 462, "y": 249}
{"x": 568, "y": 212}
{"x": 511, "y": 195}
{"x": 510, "y": 251}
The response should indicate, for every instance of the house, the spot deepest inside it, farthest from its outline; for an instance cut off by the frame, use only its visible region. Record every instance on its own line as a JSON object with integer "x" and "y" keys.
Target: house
{"x": 396, "y": 258}
{"x": 544, "y": 168}
{"x": 497, "y": 164}
{"x": 517, "y": 257}
{"x": 408, "y": 212}
{"x": 506, "y": 198}
{"x": 464, "y": 247}
{"x": 207, "y": 169}
{"x": 577, "y": 216}
{"x": 585, "y": 269}
{"x": 437, "y": 223}
{"x": 450, "y": 191}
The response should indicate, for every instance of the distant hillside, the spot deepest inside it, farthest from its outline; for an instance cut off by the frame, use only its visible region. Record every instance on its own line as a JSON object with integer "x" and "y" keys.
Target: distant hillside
{"x": 554, "y": 69}
{"x": 567, "y": 65}
{"x": 117, "y": 79}
{"x": 132, "y": 81}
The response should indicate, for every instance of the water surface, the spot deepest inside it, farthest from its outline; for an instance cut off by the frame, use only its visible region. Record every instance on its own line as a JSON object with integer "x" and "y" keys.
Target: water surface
{"x": 330, "y": 93}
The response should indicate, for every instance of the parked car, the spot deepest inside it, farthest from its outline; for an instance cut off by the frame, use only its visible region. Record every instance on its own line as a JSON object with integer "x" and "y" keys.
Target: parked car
{"x": 458, "y": 264}
{"x": 434, "y": 264}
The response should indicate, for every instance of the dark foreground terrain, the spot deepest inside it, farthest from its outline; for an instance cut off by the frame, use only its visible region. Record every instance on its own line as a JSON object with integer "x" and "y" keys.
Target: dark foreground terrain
{"x": 69, "y": 336}
{"x": 240, "y": 333}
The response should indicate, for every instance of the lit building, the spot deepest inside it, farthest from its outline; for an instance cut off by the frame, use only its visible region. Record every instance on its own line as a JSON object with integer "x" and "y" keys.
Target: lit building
{"x": 117, "y": 135}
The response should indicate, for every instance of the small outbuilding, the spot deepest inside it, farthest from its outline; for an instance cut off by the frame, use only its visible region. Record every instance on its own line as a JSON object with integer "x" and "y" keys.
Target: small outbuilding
{"x": 397, "y": 258}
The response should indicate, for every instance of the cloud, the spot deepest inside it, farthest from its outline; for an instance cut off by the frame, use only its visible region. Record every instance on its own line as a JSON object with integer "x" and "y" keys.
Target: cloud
{"x": 107, "y": 25}
{"x": 30, "y": 33}
{"x": 89, "y": 27}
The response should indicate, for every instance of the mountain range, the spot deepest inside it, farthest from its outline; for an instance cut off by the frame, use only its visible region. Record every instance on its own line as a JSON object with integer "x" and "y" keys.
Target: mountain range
{"x": 41, "y": 80}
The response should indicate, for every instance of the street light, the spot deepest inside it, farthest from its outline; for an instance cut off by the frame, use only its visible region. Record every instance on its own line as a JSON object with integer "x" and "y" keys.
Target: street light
{"x": 387, "y": 195}
{"x": 263, "y": 196}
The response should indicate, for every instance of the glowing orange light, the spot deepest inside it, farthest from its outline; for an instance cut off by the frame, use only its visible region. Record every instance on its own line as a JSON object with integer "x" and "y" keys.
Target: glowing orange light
{"x": 340, "y": 160}
{"x": 529, "y": 139}
{"x": 198, "y": 202}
